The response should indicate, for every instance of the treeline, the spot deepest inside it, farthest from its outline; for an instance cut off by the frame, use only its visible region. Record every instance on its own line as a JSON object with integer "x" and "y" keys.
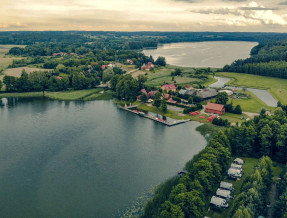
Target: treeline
{"x": 269, "y": 58}
{"x": 280, "y": 208}
{"x": 41, "y": 81}
{"x": 129, "y": 40}
{"x": 188, "y": 196}
{"x": 262, "y": 136}
{"x": 252, "y": 200}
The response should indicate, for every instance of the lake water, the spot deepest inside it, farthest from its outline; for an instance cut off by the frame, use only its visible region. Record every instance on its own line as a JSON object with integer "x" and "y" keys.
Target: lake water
{"x": 202, "y": 54}
{"x": 83, "y": 159}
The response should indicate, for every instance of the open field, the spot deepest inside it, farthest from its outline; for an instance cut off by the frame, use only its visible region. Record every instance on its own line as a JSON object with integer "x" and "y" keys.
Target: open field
{"x": 252, "y": 104}
{"x": 85, "y": 95}
{"x": 6, "y": 60}
{"x": 260, "y": 82}
{"x": 248, "y": 168}
{"x": 162, "y": 75}
{"x": 17, "y": 71}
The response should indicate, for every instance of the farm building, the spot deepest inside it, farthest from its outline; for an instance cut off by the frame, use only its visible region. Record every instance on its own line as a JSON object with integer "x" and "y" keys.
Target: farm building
{"x": 147, "y": 66}
{"x": 207, "y": 93}
{"x": 215, "y": 108}
{"x": 169, "y": 87}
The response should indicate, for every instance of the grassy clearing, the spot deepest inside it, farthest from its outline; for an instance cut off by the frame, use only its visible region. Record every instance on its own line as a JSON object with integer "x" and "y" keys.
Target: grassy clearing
{"x": 234, "y": 118}
{"x": 260, "y": 82}
{"x": 17, "y": 71}
{"x": 4, "y": 59}
{"x": 21, "y": 95}
{"x": 163, "y": 75}
{"x": 99, "y": 96}
{"x": 251, "y": 104}
{"x": 248, "y": 168}
{"x": 72, "y": 95}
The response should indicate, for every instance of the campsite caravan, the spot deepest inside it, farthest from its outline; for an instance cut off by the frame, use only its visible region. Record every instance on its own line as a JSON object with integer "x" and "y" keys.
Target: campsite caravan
{"x": 234, "y": 173}
{"x": 238, "y": 161}
{"x": 226, "y": 186}
{"x": 218, "y": 202}
{"x": 236, "y": 166}
{"x": 223, "y": 194}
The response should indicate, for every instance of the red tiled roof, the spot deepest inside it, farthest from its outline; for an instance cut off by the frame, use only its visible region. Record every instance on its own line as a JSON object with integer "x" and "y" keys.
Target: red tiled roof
{"x": 169, "y": 86}
{"x": 144, "y": 91}
{"x": 213, "y": 106}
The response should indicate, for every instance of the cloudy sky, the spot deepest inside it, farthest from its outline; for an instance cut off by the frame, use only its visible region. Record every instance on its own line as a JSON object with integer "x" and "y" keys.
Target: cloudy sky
{"x": 144, "y": 15}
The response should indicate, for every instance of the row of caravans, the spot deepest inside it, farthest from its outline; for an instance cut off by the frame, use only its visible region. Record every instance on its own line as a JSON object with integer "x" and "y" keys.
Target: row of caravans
{"x": 223, "y": 193}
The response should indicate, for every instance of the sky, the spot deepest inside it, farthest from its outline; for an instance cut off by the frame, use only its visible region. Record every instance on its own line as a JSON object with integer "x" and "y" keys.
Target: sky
{"x": 144, "y": 15}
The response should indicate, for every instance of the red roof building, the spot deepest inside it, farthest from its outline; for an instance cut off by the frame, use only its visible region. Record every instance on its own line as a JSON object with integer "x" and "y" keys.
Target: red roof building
{"x": 104, "y": 67}
{"x": 151, "y": 94}
{"x": 214, "y": 108}
{"x": 169, "y": 87}
{"x": 144, "y": 91}
{"x": 167, "y": 96}
{"x": 147, "y": 66}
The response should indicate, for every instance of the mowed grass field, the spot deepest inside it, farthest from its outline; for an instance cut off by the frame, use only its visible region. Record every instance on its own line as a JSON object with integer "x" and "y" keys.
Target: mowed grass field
{"x": 261, "y": 82}
{"x": 84, "y": 95}
{"x": 252, "y": 104}
{"x": 6, "y": 60}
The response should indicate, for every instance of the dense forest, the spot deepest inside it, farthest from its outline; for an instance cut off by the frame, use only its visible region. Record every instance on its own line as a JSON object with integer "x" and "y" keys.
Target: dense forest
{"x": 129, "y": 40}
{"x": 269, "y": 58}
{"x": 189, "y": 195}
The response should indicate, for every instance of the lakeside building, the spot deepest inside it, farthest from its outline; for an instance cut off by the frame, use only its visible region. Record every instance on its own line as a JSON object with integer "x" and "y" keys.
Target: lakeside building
{"x": 215, "y": 108}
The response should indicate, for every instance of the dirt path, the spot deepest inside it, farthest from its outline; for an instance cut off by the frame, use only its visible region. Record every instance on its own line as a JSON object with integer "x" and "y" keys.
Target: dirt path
{"x": 271, "y": 199}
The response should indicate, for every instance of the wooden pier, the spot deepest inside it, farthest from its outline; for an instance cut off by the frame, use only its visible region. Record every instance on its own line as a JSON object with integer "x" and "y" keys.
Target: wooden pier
{"x": 156, "y": 119}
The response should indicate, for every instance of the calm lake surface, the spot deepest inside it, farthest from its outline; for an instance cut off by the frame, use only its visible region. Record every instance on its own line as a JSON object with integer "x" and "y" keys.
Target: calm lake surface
{"x": 202, "y": 54}
{"x": 83, "y": 159}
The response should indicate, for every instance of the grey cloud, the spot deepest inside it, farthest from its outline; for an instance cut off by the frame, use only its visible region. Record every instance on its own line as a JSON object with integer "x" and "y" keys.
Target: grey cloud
{"x": 257, "y": 9}
{"x": 283, "y": 3}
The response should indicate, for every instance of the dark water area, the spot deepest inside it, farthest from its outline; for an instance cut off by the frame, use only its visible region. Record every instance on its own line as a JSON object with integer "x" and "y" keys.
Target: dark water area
{"x": 83, "y": 159}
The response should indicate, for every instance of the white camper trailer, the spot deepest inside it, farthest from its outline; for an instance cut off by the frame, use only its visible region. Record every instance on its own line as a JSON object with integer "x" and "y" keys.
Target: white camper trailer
{"x": 223, "y": 194}
{"x": 234, "y": 173}
{"x": 236, "y": 166}
{"x": 227, "y": 186}
{"x": 218, "y": 202}
{"x": 238, "y": 161}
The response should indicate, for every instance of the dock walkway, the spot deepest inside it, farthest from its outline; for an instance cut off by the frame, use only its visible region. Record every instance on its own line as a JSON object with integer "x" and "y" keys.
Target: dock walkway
{"x": 174, "y": 123}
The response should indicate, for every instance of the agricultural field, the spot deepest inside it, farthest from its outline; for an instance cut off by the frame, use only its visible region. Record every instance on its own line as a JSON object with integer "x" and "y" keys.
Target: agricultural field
{"x": 6, "y": 60}
{"x": 276, "y": 86}
{"x": 17, "y": 71}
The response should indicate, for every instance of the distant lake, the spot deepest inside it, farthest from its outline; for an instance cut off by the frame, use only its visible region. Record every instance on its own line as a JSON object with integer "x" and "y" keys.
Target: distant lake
{"x": 84, "y": 159}
{"x": 202, "y": 54}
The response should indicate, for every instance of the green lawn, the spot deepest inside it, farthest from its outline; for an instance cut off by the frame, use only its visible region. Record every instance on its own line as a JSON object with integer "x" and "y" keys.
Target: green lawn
{"x": 73, "y": 95}
{"x": 260, "y": 82}
{"x": 251, "y": 104}
{"x": 248, "y": 168}
{"x": 233, "y": 118}
{"x": 85, "y": 95}
{"x": 21, "y": 95}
